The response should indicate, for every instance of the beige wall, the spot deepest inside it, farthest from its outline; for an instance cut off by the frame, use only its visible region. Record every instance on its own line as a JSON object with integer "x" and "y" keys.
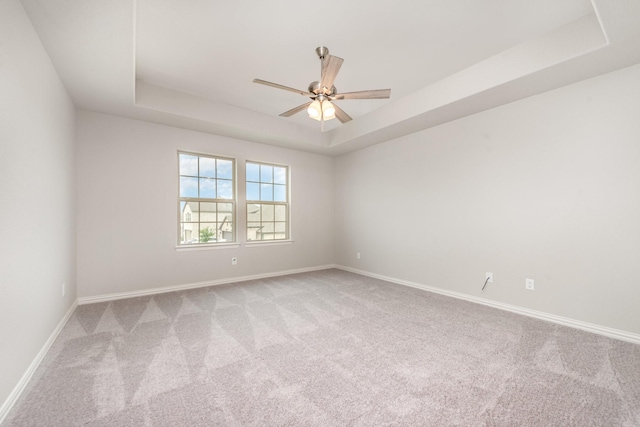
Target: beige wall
{"x": 127, "y": 208}
{"x": 546, "y": 188}
{"x": 37, "y": 229}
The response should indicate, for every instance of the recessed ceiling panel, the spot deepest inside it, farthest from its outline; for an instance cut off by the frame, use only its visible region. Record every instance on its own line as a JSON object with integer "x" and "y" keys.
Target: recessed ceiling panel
{"x": 215, "y": 49}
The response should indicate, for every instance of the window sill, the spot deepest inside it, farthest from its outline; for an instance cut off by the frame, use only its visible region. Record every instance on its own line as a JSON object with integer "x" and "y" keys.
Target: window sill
{"x": 255, "y": 244}
{"x": 185, "y": 248}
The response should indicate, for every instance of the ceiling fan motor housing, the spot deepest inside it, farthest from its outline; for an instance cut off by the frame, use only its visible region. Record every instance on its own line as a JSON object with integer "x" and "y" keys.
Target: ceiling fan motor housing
{"x": 314, "y": 87}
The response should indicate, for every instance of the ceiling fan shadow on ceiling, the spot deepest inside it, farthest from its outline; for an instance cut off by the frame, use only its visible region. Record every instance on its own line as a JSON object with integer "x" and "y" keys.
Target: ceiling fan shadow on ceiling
{"x": 323, "y": 92}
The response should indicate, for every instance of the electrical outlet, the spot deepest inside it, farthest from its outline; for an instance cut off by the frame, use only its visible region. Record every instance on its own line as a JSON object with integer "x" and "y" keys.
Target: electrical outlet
{"x": 234, "y": 261}
{"x": 488, "y": 276}
{"x": 357, "y": 255}
{"x": 64, "y": 289}
{"x": 529, "y": 284}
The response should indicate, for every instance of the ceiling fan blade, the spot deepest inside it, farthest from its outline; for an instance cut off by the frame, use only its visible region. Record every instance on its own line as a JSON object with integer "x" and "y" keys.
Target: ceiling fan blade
{"x": 277, "y": 86}
{"x": 365, "y": 94}
{"x": 330, "y": 67}
{"x": 295, "y": 110}
{"x": 341, "y": 115}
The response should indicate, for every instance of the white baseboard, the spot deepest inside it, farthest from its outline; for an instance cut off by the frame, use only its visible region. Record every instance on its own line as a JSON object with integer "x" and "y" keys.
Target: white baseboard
{"x": 565, "y": 321}
{"x": 22, "y": 384}
{"x": 154, "y": 291}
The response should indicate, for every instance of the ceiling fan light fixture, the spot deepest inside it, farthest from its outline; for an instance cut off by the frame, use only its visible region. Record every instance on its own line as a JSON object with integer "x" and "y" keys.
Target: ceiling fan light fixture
{"x": 315, "y": 110}
{"x": 328, "y": 110}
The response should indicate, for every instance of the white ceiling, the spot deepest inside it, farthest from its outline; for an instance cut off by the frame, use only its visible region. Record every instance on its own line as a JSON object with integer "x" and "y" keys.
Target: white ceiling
{"x": 191, "y": 64}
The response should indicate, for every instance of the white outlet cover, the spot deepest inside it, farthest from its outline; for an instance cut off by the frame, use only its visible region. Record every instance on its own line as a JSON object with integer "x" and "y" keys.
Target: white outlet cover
{"x": 529, "y": 284}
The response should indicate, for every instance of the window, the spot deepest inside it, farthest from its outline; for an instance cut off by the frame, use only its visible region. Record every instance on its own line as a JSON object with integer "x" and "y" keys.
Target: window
{"x": 206, "y": 199}
{"x": 267, "y": 202}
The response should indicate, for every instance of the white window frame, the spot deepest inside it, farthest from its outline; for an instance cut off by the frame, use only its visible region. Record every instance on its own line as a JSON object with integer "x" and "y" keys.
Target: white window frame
{"x": 233, "y": 201}
{"x": 286, "y": 204}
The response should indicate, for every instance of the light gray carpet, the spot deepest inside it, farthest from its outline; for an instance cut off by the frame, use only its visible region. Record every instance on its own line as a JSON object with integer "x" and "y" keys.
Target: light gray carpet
{"x": 327, "y": 348}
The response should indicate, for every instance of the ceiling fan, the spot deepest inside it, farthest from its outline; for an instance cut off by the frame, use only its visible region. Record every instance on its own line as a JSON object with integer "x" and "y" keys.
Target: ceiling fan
{"x": 323, "y": 92}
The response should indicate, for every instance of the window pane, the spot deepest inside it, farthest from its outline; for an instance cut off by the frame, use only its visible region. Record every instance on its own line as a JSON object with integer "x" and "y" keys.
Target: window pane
{"x": 281, "y": 228}
{"x": 189, "y": 212}
{"x": 267, "y": 231}
{"x": 253, "y": 172}
{"x": 253, "y": 212}
{"x": 253, "y": 191}
{"x": 225, "y": 234}
{"x": 279, "y": 175}
{"x": 225, "y": 212}
{"x": 207, "y": 212}
{"x": 281, "y": 213}
{"x": 266, "y": 192}
{"x": 189, "y": 233}
{"x": 207, "y": 188}
{"x": 188, "y": 187}
{"x": 225, "y": 169}
{"x": 194, "y": 209}
{"x": 225, "y": 189}
{"x": 280, "y": 193}
{"x": 266, "y": 173}
{"x": 268, "y": 212}
{"x": 207, "y": 233}
{"x": 188, "y": 165}
{"x": 207, "y": 167}
{"x": 253, "y": 229}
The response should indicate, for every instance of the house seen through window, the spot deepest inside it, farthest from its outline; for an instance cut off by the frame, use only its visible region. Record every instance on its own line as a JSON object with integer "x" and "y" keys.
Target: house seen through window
{"x": 206, "y": 199}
